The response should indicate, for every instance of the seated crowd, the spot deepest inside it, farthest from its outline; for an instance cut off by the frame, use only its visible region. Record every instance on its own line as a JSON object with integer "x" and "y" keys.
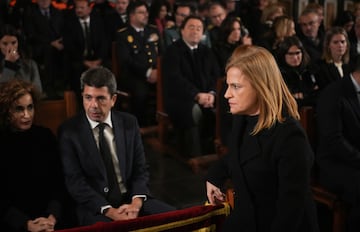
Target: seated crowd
{"x": 49, "y": 46}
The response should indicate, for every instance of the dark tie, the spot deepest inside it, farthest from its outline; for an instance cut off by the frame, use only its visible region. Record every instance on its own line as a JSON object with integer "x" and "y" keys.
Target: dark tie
{"x": 46, "y": 12}
{"x": 114, "y": 194}
{"x": 141, "y": 32}
{"x": 195, "y": 61}
{"x": 87, "y": 47}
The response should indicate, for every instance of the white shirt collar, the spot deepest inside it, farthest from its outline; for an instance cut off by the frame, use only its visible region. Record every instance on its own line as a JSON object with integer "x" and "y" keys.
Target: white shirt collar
{"x": 87, "y": 20}
{"x": 94, "y": 124}
{"x": 138, "y": 29}
{"x": 191, "y": 47}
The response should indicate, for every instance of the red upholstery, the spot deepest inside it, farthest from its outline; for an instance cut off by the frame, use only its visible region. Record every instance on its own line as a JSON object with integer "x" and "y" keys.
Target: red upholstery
{"x": 189, "y": 219}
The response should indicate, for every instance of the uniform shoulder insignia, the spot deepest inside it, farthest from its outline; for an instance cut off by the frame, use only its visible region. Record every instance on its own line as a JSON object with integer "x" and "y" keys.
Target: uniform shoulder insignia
{"x": 210, "y": 27}
{"x": 122, "y": 29}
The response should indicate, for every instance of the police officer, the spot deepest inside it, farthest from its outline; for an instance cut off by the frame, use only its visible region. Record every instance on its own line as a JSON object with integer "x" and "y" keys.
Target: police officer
{"x": 138, "y": 48}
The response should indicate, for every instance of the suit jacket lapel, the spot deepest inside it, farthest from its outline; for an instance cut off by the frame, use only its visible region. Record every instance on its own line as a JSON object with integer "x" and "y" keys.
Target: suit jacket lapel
{"x": 351, "y": 96}
{"x": 119, "y": 135}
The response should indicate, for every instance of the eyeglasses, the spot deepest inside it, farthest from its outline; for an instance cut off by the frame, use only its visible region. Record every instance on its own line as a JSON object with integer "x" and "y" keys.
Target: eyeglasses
{"x": 294, "y": 53}
{"x": 217, "y": 16}
{"x": 304, "y": 24}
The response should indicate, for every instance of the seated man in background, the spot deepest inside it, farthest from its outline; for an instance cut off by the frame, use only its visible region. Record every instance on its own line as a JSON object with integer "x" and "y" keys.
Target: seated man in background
{"x": 338, "y": 153}
{"x": 103, "y": 157}
{"x": 190, "y": 71}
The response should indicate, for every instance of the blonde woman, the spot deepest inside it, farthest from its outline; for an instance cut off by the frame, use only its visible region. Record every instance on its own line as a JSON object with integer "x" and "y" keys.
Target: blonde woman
{"x": 270, "y": 158}
{"x": 283, "y": 26}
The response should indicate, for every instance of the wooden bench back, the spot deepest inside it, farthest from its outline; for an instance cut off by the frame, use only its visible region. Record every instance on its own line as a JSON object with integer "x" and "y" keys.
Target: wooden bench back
{"x": 51, "y": 113}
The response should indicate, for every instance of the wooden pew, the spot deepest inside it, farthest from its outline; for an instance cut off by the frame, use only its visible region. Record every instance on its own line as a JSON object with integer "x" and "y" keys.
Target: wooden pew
{"x": 51, "y": 113}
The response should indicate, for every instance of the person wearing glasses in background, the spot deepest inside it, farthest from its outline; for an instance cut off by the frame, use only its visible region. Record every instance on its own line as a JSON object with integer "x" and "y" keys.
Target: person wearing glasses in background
{"x": 309, "y": 34}
{"x": 293, "y": 62}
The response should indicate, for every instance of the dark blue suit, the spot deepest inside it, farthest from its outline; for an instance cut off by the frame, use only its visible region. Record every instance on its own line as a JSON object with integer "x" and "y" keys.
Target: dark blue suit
{"x": 85, "y": 173}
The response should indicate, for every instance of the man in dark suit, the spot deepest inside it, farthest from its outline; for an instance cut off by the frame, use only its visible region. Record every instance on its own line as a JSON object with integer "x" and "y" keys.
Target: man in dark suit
{"x": 85, "y": 42}
{"x": 44, "y": 27}
{"x": 338, "y": 153}
{"x": 190, "y": 71}
{"x": 138, "y": 49}
{"x": 310, "y": 35}
{"x": 116, "y": 19}
{"x": 105, "y": 191}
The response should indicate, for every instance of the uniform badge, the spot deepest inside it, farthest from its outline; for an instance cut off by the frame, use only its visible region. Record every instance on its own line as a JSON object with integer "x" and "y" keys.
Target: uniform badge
{"x": 153, "y": 37}
{"x": 130, "y": 39}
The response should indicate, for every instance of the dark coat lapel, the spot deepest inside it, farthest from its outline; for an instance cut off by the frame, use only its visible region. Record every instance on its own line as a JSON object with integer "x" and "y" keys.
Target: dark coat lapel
{"x": 119, "y": 134}
{"x": 351, "y": 95}
{"x": 251, "y": 149}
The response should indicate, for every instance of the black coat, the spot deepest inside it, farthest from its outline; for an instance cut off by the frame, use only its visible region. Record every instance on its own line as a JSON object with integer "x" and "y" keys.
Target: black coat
{"x": 31, "y": 177}
{"x": 325, "y": 73}
{"x": 184, "y": 79}
{"x": 301, "y": 81}
{"x": 270, "y": 173}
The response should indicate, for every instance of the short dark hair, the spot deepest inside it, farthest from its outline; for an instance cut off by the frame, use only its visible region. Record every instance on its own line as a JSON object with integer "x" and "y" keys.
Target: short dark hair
{"x": 135, "y": 4}
{"x": 192, "y": 17}
{"x": 191, "y": 6}
{"x": 284, "y": 47}
{"x": 99, "y": 77}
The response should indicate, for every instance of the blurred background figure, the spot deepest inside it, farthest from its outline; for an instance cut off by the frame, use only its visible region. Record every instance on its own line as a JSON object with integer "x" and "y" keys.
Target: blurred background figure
{"x": 334, "y": 63}
{"x": 346, "y": 20}
{"x": 282, "y": 27}
{"x": 15, "y": 64}
{"x": 172, "y": 33}
{"x": 293, "y": 62}
{"x": 159, "y": 15}
{"x": 85, "y": 43}
{"x": 310, "y": 34}
{"x": 44, "y": 28}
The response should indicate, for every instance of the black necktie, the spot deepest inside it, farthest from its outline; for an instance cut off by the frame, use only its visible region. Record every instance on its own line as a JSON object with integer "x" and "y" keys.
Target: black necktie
{"x": 46, "y": 12}
{"x": 87, "y": 47}
{"x": 114, "y": 194}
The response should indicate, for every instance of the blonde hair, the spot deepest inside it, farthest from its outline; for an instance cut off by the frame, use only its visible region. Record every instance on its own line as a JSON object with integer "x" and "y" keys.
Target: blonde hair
{"x": 283, "y": 26}
{"x": 270, "y": 10}
{"x": 274, "y": 97}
